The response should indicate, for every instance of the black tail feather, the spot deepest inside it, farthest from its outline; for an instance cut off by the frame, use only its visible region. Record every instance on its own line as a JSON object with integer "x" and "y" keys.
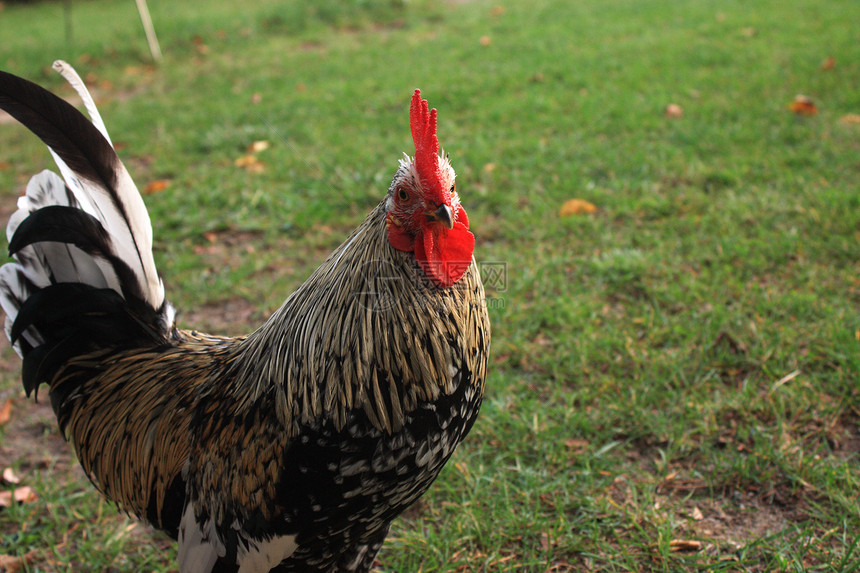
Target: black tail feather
{"x": 79, "y": 228}
{"x": 62, "y": 224}
{"x": 77, "y": 319}
{"x": 62, "y": 127}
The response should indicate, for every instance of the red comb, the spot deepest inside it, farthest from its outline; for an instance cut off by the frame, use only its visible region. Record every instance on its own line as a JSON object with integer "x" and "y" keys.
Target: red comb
{"x": 423, "y": 121}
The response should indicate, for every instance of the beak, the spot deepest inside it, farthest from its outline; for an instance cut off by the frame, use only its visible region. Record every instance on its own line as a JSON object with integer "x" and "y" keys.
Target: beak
{"x": 442, "y": 214}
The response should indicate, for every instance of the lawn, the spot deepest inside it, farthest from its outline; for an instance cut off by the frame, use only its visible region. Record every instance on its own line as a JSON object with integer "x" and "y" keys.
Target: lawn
{"x": 675, "y": 376}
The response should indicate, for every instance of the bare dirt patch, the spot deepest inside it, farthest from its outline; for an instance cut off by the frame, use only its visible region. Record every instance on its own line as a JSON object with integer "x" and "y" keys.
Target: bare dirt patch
{"x": 736, "y": 522}
{"x": 229, "y": 317}
{"x": 31, "y": 437}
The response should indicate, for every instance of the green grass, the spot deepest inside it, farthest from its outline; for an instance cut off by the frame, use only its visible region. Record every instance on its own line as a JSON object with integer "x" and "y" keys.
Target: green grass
{"x": 683, "y": 364}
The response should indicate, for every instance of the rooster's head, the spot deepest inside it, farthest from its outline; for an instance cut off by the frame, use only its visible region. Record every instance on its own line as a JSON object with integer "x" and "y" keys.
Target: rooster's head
{"x": 424, "y": 212}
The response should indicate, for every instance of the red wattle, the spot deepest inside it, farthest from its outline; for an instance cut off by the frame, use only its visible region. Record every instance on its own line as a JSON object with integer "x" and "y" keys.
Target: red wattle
{"x": 445, "y": 255}
{"x": 461, "y": 217}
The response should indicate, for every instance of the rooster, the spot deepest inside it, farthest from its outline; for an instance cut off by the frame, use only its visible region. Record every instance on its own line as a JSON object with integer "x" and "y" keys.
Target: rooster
{"x": 292, "y": 448}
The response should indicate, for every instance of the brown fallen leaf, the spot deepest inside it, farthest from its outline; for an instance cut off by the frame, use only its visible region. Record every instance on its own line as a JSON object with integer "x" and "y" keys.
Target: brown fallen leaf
{"x": 258, "y": 146}
{"x": 5, "y": 411}
{"x": 249, "y": 163}
{"x": 10, "y": 477}
{"x": 18, "y": 495}
{"x": 14, "y": 564}
{"x": 576, "y": 207}
{"x": 545, "y": 540}
{"x": 11, "y": 563}
{"x": 685, "y": 545}
{"x": 828, "y": 64}
{"x": 4, "y": 165}
{"x": 696, "y": 514}
{"x": 803, "y": 105}
{"x": 674, "y": 111}
{"x": 578, "y": 445}
{"x": 850, "y": 119}
{"x": 156, "y": 186}
{"x": 200, "y": 45}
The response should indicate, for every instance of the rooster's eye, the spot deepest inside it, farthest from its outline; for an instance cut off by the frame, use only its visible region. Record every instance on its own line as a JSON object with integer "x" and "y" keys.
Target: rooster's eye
{"x": 402, "y": 194}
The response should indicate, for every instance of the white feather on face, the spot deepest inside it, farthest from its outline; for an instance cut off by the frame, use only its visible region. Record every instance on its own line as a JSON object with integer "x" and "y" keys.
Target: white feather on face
{"x": 406, "y": 177}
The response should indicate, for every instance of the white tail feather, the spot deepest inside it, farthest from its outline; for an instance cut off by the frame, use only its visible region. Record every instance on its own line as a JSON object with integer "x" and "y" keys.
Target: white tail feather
{"x": 47, "y": 262}
{"x": 132, "y": 233}
{"x": 12, "y": 290}
{"x": 71, "y": 76}
{"x": 41, "y": 264}
{"x": 43, "y": 189}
